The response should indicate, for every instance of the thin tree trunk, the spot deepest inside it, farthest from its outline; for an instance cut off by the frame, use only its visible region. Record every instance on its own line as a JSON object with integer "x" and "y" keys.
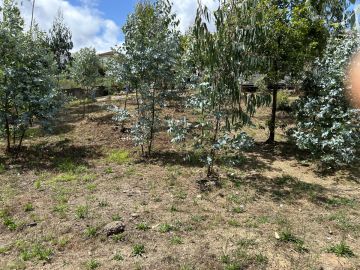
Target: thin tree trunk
{"x": 126, "y": 99}
{"x": 152, "y": 122}
{"x": 8, "y": 135}
{"x": 7, "y": 127}
{"x": 272, "y": 124}
{"x": 84, "y": 104}
{"x": 14, "y": 136}
{"x": 21, "y": 138}
{"x": 210, "y": 170}
{"x": 32, "y": 15}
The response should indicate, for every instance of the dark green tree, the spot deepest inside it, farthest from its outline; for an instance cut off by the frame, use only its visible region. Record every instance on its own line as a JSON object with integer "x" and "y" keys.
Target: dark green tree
{"x": 59, "y": 40}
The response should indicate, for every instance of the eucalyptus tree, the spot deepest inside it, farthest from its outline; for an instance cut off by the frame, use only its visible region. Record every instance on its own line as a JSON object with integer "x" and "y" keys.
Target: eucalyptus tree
{"x": 116, "y": 75}
{"x": 60, "y": 42}
{"x": 151, "y": 52}
{"x": 85, "y": 71}
{"x": 327, "y": 126}
{"x": 292, "y": 35}
{"x": 223, "y": 64}
{"x": 27, "y": 89}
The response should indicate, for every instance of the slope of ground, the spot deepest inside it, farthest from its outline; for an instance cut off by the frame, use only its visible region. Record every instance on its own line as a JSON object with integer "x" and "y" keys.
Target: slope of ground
{"x": 272, "y": 211}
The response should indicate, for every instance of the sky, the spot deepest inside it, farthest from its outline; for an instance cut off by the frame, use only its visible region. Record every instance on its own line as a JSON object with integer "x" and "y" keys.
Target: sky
{"x": 98, "y": 23}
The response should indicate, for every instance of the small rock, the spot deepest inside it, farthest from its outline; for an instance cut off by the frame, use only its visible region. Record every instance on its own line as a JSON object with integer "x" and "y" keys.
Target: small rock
{"x": 277, "y": 236}
{"x": 114, "y": 228}
{"x": 199, "y": 196}
{"x": 135, "y": 215}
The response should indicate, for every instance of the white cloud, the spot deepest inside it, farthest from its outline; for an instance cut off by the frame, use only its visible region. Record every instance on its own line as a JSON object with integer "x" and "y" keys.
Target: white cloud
{"x": 88, "y": 26}
{"x": 186, "y": 11}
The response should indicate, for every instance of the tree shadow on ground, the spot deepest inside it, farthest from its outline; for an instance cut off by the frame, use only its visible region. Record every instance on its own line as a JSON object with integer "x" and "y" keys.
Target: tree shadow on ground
{"x": 280, "y": 151}
{"x": 196, "y": 160}
{"x": 46, "y": 156}
{"x": 173, "y": 158}
{"x": 286, "y": 188}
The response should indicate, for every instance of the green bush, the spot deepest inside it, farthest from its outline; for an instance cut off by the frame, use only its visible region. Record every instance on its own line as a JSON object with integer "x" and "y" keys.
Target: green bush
{"x": 283, "y": 101}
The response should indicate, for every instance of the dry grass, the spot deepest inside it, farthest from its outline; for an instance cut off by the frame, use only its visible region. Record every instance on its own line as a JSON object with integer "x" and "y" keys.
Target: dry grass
{"x": 272, "y": 211}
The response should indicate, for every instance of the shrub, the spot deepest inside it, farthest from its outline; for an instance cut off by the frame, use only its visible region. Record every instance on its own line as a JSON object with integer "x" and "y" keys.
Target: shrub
{"x": 283, "y": 101}
{"x": 326, "y": 124}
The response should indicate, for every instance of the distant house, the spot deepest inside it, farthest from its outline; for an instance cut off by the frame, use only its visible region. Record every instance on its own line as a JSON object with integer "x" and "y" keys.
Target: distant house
{"x": 104, "y": 57}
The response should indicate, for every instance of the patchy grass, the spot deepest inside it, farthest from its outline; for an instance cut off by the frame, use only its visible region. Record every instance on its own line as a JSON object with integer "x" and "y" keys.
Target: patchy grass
{"x": 2, "y": 168}
{"x": 92, "y": 264}
{"x": 138, "y": 250}
{"x": 56, "y": 198}
{"x": 143, "y": 226}
{"x": 341, "y": 250}
{"x": 82, "y": 211}
{"x": 119, "y": 156}
{"x": 36, "y": 251}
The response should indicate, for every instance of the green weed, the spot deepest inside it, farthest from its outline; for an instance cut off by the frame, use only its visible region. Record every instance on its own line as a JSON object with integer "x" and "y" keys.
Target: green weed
{"x": 90, "y": 231}
{"x": 82, "y": 211}
{"x": 143, "y": 226}
{"x": 118, "y": 237}
{"x": 28, "y": 207}
{"x": 119, "y": 156}
{"x": 118, "y": 257}
{"x": 138, "y": 250}
{"x": 36, "y": 251}
{"x": 92, "y": 264}
{"x": 164, "y": 228}
{"x": 341, "y": 250}
{"x": 176, "y": 240}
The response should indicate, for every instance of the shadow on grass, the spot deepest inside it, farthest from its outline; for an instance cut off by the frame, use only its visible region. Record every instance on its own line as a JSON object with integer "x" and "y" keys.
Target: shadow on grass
{"x": 45, "y": 156}
{"x": 197, "y": 159}
{"x": 290, "y": 189}
{"x": 283, "y": 151}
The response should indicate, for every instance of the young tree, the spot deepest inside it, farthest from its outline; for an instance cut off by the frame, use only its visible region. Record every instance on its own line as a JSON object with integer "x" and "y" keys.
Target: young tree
{"x": 85, "y": 71}
{"x": 327, "y": 126}
{"x": 27, "y": 89}
{"x": 219, "y": 98}
{"x": 60, "y": 43}
{"x": 292, "y": 35}
{"x": 151, "y": 52}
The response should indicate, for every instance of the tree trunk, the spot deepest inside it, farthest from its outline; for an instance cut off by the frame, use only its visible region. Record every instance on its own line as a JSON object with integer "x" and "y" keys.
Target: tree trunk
{"x": 152, "y": 123}
{"x": 32, "y": 15}
{"x": 272, "y": 124}
{"x": 8, "y": 135}
{"x": 21, "y": 138}
{"x": 126, "y": 98}
{"x": 210, "y": 170}
{"x": 84, "y": 104}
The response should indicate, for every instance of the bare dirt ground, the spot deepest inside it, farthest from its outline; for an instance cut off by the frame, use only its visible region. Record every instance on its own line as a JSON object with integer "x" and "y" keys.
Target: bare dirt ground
{"x": 274, "y": 210}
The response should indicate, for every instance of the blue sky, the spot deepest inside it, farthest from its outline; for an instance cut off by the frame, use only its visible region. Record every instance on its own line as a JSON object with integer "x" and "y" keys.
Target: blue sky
{"x": 98, "y": 23}
{"x": 116, "y": 10}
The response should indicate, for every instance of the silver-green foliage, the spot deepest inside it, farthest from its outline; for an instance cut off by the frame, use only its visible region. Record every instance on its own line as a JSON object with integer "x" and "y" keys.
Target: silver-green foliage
{"x": 326, "y": 124}
{"x": 27, "y": 88}
{"x": 85, "y": 68}
{"x": 85, "y": 71}
{"x": 219, "y": 100}
{"x": 151, "y": 53}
